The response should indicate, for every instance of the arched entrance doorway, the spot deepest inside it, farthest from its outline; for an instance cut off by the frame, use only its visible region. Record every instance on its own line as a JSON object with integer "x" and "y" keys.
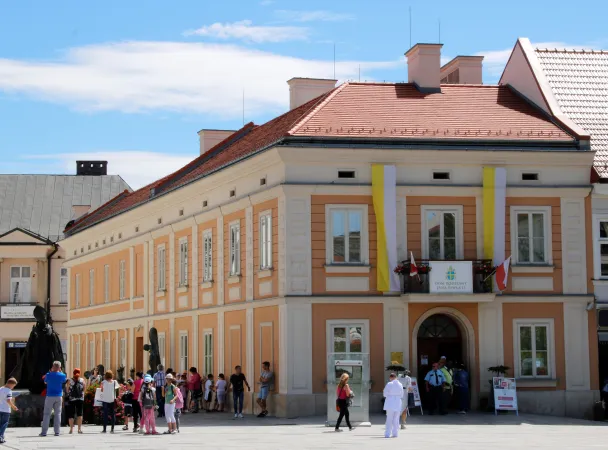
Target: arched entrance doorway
{"x": 443, "y": 331}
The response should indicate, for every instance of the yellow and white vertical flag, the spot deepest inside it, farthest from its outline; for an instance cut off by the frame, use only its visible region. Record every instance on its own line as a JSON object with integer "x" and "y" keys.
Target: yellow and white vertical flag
{"x": 494, "y": 204}
{"x": 384, "y": 193}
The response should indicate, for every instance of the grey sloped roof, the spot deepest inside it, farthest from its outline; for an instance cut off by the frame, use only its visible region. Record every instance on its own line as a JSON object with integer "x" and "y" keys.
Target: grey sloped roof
{"x": 43, "y": 204}
{"x": 579, "y": 82}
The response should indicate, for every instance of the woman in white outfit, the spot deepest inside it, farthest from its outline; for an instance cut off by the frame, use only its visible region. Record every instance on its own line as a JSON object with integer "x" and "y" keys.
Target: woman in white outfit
{"x": 393, "y": 393}
{"x": 406, "y": 381}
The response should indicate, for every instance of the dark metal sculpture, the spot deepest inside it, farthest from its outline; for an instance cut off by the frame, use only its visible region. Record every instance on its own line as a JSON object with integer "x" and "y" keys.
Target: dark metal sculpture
{"x": 152, "y": 347}
{"x": 42, "y": 349}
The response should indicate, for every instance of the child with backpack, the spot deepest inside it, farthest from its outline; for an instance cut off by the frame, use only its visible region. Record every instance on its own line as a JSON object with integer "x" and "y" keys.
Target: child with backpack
{"x": 147, "y": 400}
{"x": 179, "y": 405}
{"x": 127, "y": 403}
{"x": 74, "y": 389}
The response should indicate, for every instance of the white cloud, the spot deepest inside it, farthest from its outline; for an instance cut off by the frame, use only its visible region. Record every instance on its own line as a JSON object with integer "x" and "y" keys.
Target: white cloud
{"x": 137, "y": 168}
{"x": 312, "y": 16}
{"x": 245, "y": 30}
{"x": 186, "y": 77}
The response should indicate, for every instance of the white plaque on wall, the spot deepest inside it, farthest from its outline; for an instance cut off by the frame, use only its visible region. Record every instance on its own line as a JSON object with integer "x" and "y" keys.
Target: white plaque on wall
{"x": 451, "y": 277}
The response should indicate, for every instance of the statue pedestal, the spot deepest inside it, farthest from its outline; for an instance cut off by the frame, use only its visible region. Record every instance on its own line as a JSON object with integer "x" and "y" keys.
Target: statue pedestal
{"x": 31, "y": 409}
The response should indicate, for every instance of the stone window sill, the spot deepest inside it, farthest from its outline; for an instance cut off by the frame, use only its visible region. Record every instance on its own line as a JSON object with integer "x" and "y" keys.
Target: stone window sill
{"x": 345, "y": 268}
{"x": 161, "y": 292}
{"x": 234, "y": 279}
{"x": 182, "y": 289}
{"x": 532, "y": 268}
{"x": 536, "y": 382}
{"x": 207, "y": 284}
{"x": 265, "y": 273}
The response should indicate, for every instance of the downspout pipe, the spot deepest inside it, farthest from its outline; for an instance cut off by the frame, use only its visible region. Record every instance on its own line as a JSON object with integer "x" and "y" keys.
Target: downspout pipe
{"x": 48, "y": 282}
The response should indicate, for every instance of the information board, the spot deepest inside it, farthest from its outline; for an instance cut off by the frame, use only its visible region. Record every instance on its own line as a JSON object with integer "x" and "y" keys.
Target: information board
{"x": 505, "y": 394}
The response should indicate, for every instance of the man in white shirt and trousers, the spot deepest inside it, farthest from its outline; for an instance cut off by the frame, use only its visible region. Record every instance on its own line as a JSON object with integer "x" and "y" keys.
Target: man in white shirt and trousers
{"x": 393, "y": 393}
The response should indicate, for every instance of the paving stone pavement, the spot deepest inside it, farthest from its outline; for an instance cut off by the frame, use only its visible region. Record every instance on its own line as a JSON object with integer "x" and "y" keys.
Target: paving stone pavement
{"x": 219, "y": 431}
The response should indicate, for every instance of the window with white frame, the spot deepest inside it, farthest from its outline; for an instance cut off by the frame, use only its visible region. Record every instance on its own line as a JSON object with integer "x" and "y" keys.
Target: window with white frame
{"x": 21, "y": 284}
{"x": 208, "y": 346}
{"x": 106, "y": 283}
{"x": 266, "y": 240}
{"x": 235, "y": 248}
{"x": 106, "y": 354}
{"x": 77, "y": 289}
{"x": 92, "y": 287}
{"x": 63, "y": 285}
{"x": 530, "y": 231}
{"x": 535, "y": 356}
{"x": 442, "y": 238}
{"x": 161, "y": 267}
{"x": 183, "y": 351}
{"x": 207, "y": 255}
{"x": 123, "y": 352}
{"x": 601, "y": 247}
{"x": 183, "y": 262}
{"x": 346, "y": 228}
{"x": 92, "y": 362}
{"x": 122, "y": 278}
{"x": 161, "y": 347}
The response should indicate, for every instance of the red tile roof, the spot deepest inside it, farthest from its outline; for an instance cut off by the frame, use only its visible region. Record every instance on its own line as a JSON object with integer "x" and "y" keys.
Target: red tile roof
{"x": 355, "y": 110}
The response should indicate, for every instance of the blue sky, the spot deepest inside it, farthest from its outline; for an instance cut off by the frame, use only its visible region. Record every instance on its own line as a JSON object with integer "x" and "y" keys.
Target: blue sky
{"x": 133, "y": 82}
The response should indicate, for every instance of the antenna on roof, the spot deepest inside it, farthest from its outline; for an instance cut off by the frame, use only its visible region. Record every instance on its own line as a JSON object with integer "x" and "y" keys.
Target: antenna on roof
{"x": 410, "y": 27}
{"x": 334, "y": 60}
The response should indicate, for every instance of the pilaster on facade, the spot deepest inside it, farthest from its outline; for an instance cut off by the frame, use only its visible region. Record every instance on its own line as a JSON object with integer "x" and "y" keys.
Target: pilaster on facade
{"x": 249, "y": 339}
{"x": 282, "y": 236}
{"x": 401, "y": 228}
{"x": 172, "y": 344}
{"x": 298, "y": 264}
{"x": 283, "y": 348}
{"x": 576, "y": 346}
{"x": 574, "y": 249}
{"x": 299, "y": 348}
{"x": 395, "y": 333}
{"x": 220, "y": 341}
{"x": 171, "y": 271}
{"x": 220, "y": 261}
{"x": 491, "y": 345}
{"x": 479, "y": 226}
{"x": 195, "y": 341}
{"x": 117, "y": 353}
{"x": 151, "y": 298}
{"x": 130, "y": 356}
{"x": 195, "y": 287}
{"x": 249, "y": 253}
{"x": 131, "y": 274}
{"x": 145, "y": 276}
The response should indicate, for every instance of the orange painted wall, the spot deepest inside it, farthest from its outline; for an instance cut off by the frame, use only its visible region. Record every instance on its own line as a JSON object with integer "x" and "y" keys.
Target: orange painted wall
{"x": 556, "y": 220}
{"x": 185, "y": 233}
{"x": 257, "y": 209}
{"x": 414, "y": 222}
{"x": 228, "y": 219}
{"x": 555, "y": 311}
{"x": 210, "y": 225}
{"x": 109, "y": 309}
{"x": 266, "y": 340}
{"x": 208, "y": 322}
{"x": 321, "y": 313}
{"x": 318, "y": 221}
{"x": 470, "y": 311}
{"x": 235, "y": 330}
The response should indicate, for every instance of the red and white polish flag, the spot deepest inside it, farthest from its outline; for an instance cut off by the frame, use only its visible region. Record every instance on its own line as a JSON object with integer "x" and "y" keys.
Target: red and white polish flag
{"x": 502, "y": 274}
{"x": 413, "y": 267}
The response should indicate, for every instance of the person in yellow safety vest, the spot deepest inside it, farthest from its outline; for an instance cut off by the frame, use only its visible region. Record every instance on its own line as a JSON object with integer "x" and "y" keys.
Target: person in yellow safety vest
{"x": 449, "y": 382}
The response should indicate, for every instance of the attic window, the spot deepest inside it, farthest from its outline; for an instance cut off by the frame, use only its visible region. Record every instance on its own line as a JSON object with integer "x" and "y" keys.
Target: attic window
{"x": 111, "y": 238}
{"x": 441, "y": 176}
{"x": 263, "y": 181}
{"x": 181, "y": 212}
{"x": 232, "y": 193}
{"x": 160, "y": 220}
{"x": 89, "y": 247}
{"x": 104, "y": 242}
{"x": 137, "y": 229}
{"x": 75, "y": 252}
{"x": 205, "y": 203}
{"x": 96, "y": 244}
{"x": 348, "y": 174}
{"x": 119, "y": 235}
{"x": 81, "y": 249}
{"x": 529, "y": 176}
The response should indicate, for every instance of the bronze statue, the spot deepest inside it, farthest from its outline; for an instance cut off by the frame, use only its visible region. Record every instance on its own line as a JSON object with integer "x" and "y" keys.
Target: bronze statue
{"x": 42, "y": 349}
{"x": 152, "y": 347}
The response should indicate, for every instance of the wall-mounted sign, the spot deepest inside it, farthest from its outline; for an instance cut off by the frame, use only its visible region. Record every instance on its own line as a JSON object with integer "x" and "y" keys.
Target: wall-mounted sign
{"x": 16, "y": 344}
{"x": 454, "y": 277}
{"x": 397, "y": 358}
{"x": 17, "y": 312}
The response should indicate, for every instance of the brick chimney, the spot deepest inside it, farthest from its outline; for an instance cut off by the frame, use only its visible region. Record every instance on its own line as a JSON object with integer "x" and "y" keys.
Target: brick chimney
{"x": 95, "y": 168}
{"x": 462, "y": 70}
{"x": 423, "y": 66}
{"x": 302, "y": 90}
{"x": 210, "y": 138}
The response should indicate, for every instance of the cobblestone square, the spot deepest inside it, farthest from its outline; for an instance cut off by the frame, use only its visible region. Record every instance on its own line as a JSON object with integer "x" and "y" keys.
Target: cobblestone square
{"x": 474, "y": 431}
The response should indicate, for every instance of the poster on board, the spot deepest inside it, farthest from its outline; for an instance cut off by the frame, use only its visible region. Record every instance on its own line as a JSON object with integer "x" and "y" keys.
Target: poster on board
{"x": 505, "y": 394}
{"x": 415, "y": 394}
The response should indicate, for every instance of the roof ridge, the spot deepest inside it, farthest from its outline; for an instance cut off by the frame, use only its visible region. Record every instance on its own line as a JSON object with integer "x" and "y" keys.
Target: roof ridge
{"x": 79, "y": 221}
{"x": 571, "y": 50}
{"x": 330, "y": 95}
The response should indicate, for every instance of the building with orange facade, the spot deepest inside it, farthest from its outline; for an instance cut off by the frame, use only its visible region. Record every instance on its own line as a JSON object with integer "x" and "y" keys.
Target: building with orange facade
{"x": 266, "y": 246}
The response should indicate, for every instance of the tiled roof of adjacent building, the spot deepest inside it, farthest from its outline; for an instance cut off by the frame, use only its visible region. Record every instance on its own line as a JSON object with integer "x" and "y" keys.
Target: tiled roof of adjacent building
{"x": 396, "y": 112}
{"x": 43, "y": 204}
{"x": 579, "y": 82}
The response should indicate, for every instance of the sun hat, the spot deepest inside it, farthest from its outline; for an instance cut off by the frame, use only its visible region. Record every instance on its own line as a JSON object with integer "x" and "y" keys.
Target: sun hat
{"x": 169, "y": 376}
{"x": 147, "y": 379}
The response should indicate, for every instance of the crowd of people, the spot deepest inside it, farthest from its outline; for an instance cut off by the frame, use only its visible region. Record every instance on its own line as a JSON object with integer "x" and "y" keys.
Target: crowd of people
{"x": 443, "y": 382}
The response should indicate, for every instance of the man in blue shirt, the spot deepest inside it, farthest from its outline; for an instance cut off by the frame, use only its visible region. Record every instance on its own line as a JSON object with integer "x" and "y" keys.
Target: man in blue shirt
{"x": 54, "y": 380}
{"x": 434, "y": 386}
{"x": 159, "y": 382}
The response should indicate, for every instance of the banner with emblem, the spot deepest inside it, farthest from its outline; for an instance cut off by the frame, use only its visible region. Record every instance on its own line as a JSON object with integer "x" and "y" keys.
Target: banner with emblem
{"x": 451, "y": 277}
